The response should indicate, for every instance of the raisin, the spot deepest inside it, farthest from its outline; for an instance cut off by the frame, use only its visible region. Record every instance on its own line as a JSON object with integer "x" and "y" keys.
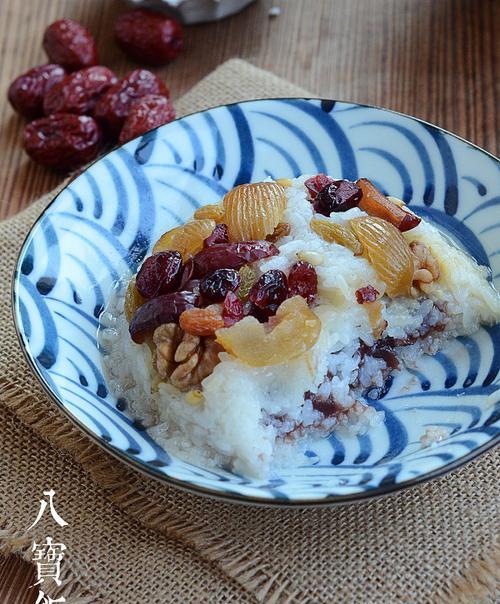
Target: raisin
{"x": 316, "y": 183}
{"x": 159, "y": 274}
{"x": 146, "y": 113}
{"x": 201, "y": 321}
{"x": 338, "y": 196}
{"x": 149, "y": 37}
{"x": 232, "y": 310}
{"x": 157, "y": 311}
{"x": 114, "y": 105}
{"x": 270, "y": 291}
{"x": 303, "y": 281}
{"x": 70, "y": 44}
{"x": 218, "y": 235}
{"x": 232, "y": 255}
{"x": 282, "y": 229}
{"x": 63, "y": 141}
{"x": 79, "y": 91}
{"x": 26, "y": 93}
{"x": 187, "y": 273}
{"x": 215, "y": 286}
{"x": 366, "y": 294}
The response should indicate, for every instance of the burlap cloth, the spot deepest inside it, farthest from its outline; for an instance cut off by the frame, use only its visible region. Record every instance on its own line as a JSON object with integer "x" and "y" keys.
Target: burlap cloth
{"x": 131, "y": 539}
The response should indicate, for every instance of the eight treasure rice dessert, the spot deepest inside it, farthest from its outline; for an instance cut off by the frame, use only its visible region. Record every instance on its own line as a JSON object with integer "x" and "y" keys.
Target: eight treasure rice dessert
{"x": 261, "y": 323}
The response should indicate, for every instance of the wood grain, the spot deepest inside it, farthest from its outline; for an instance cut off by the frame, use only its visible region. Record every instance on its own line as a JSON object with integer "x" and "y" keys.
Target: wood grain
{"x": 435, "y": 59}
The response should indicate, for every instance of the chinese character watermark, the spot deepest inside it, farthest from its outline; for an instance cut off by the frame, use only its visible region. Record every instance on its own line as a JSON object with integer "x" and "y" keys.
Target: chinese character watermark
{"x": 48, "y": 555}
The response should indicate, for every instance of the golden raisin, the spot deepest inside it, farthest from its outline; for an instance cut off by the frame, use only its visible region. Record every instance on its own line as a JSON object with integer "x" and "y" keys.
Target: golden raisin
{"x": 186, "y": 239}
{"x": 337, "y": 233}
{"x": 201, "y": 321}
{"x": 133, "y": 300}
{"x": 211, "y": 211}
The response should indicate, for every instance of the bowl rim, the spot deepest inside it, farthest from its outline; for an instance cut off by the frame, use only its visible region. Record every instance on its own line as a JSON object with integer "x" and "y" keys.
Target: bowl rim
{"x": 185, "y": 485}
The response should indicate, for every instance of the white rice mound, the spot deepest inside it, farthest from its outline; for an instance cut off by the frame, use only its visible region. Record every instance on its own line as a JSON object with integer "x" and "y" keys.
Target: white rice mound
{"x": 254, "y": 420}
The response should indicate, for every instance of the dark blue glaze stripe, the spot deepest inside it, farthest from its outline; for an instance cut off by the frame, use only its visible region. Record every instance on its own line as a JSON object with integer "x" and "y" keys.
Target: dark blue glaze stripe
{"x": 400, "y": 168}
{"x": 449, "y": 170}
{"x": 474, "y": 359}
{"x": 449, "y": 367}
{"x": 494, "y": 333}
{"x": 199, "y": 157}
{"x": 96, "y": 194}
{"x": 220, "y": 151}
{"x": 338, "y": 450}
{"x": 121, "y": 217}
{"x": 245, "y": 139}
{"x": 294, "y": 166}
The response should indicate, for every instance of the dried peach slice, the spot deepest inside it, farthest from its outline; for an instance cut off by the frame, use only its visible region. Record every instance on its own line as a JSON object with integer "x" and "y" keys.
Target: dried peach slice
{"x": 133, "y": 300}
{"x": 252, "y": 211}
{"x": 211, "y": 211}
{"x": 186, "y": 239}
{"x": 295, "y": 329}
{"x": 374, "y": 203}
{"x": 337, "y": 233}
{"x": 388, "y": 252}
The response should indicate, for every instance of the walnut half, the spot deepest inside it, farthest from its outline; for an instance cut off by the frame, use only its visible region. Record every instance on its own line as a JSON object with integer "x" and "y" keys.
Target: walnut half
{"x": 426, "y": 269}
{"x": 182, "y": 358}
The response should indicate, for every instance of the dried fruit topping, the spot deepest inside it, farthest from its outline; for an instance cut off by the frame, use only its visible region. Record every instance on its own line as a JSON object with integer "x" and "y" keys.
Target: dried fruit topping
{"x": 157, "y": 311}
{"x": 295, "y": 330}
{"x": 187, "y": 273}
{"x": 282, "y": 230}
{"x": 316, "y": 183}
{"x": 133, "y": 300}
{"x": 148, "y": 36}
{"x": 70, "y": 44}
{"x": 232, "y": 255}
{"x": 366, "y": 294}
{"x": 388, "y": 252}
{"x": 63, "y": 141}
{"x": 187, "y": 239}
{"x": 213, "y": 211}
{"x": 215, "y": 286}
{"x": 338, "y": 196}
{"x": 252, "y": 211}
{"x": 26, "y": 93}
{"x": 218, "y": 235}
{"x": 146, "y": 113}
{"x": 201, "y": 321}
{"x": 159, "y": 274}
{"x": 79, "y": 91}
{"x": 303, "y": 281}
{"x": 114, "y": 105}
{"x": 337, "y": 233}
{"x": 270, "y": 290}
{"x": 248, "y": 276}
{"x": 376, "y": 204}
{"x": 284, "y": 182}
{"x": 232, "y": 310}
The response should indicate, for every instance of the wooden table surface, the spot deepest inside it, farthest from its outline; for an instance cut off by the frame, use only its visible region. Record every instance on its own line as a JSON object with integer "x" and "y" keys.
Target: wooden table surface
{"x": 435, "y": 59}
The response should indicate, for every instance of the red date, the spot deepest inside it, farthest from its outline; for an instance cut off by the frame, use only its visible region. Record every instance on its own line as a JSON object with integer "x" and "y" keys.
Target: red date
{"x": 79, "y": 91}
{"x": 114, "y": 105}
{"x": 155, "y": 312}
{"x": 63, "y": 141}
{"x": 26, "y": 93}
{"x": 70, "y": 44}
{"x": 145, "y": 114}
{"x": 149, "y": 37}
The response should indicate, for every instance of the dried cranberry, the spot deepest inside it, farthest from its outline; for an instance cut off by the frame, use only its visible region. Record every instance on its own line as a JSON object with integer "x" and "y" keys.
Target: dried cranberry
{"x": 145, "y": 114}
{"x": 316, "y": 183}
{"x": 218, "y": 235}
{"x": 303, "y": 281}
{"x": 366, "y": 294}
{"x": 232, "y": 255}
{"x": 114, "y": 105}
{"x": 26, "y": 93}
{"x": 270, "y": 290}
{"x": 70, "y": 44}
{"x": 159, "y": 274}
{"x": 63, "y": 141}
{"x": 232, "y": 310}
{"x": 187, "y": 273}
{"x": 149, "y": 37}
{"x": 338, "y": 196}
{"x": 261, "y": 314}
{"x": 215, "y": 286}
{"x": 79, "y": 91}
{"x": 155, "y": 312}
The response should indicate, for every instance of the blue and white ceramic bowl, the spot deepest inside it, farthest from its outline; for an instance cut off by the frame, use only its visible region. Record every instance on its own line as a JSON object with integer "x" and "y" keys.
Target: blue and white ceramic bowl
{"x": 104, "y": 222}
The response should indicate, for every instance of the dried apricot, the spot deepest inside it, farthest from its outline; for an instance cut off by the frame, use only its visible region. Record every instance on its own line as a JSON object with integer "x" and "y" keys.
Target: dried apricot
{"x": 337, "y": 233}
{"x": 295, "y": 330}
{"x": 212, "y": 211}
{"x": 252, "y": 211}
{"x": 186, "y": 239}
{"x": 388, "y": 252}
{"x": 201, "y": 321}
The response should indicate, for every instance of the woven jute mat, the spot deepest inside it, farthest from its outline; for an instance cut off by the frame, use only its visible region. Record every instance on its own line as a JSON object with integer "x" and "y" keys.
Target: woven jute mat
{"x": 132, "y": 539}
